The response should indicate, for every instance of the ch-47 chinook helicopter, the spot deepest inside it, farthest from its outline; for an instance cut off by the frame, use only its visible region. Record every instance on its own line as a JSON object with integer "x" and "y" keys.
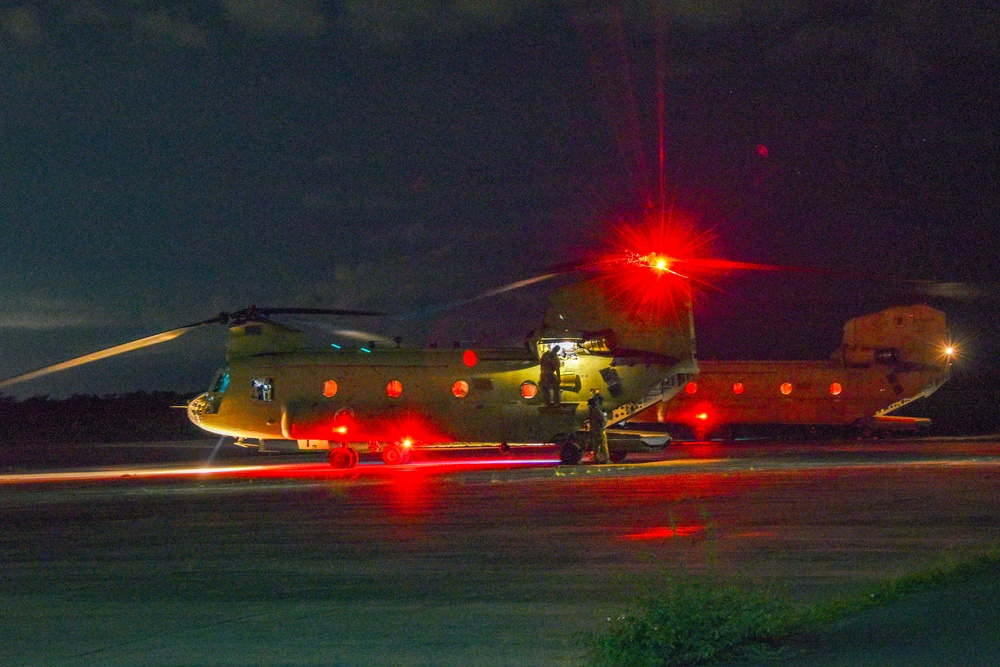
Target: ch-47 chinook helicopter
{"x": 885, "y": 361}
{"x": 274, "y": 391}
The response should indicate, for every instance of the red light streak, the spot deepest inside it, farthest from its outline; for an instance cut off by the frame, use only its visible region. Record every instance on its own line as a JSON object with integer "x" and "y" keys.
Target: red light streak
{"x": 755, "y": 533}
{"x": 307, "y": 471}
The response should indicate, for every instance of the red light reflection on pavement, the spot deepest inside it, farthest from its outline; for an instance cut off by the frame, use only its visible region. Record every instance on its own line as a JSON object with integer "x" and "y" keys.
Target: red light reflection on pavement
{"x": 411, "y": 491}
{"x": 704, "y": 449}
{"x": 667, "y": 532}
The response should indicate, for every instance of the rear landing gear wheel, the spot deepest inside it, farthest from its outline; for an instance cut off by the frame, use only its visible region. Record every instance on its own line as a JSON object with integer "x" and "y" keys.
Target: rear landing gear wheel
{"x": 617, "y": 457}
{"x": 570, "y": 453}
{"x": 343, "y": 457}
{"x": 395, "y": 455}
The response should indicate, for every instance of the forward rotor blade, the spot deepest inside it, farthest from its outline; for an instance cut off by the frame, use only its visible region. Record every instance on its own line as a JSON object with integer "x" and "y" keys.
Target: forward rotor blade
{"x": 222, "y": 318}
{"x": 102, "y": 354}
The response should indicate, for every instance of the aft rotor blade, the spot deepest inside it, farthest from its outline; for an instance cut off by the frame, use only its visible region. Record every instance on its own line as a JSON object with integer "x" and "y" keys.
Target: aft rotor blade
{"x": 102, "y": 354}
{"x": 959, "y": 291}
{"x": 318, "y": 311}
{"x": 431, "y": 310}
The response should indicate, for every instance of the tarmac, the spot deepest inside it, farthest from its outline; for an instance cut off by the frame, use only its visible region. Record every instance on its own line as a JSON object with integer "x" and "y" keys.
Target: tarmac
{"x": 465, "y": 560}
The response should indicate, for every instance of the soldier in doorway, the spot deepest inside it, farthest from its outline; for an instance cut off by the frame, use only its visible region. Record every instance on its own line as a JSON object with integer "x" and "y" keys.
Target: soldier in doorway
{"x": 597, "y": 420}
{"x": 550, "y": 380}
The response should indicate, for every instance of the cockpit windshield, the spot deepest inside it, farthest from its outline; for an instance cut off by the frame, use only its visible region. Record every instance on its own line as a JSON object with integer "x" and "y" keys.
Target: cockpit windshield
{"x": 220, "y": 383}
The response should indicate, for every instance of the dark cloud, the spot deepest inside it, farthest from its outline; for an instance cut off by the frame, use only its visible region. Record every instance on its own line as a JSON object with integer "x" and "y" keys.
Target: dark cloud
{"x": 278, "y": 17}
{"x": 394, "y": 21}
{"x": 176, "y": 30}
{"x": 22, "y": 23}
{"x": 90, "y": 13}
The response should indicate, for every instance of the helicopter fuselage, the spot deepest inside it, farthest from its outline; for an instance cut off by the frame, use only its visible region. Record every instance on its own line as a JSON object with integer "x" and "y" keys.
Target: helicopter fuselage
{"x": 420, "y": 395}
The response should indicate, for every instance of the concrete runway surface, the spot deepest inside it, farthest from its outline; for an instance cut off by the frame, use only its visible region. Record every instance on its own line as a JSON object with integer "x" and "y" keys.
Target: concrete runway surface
{"x": 455, "y": 560}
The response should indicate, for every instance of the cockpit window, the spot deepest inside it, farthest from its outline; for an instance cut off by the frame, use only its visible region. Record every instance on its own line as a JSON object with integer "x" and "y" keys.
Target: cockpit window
{"x": 220, "y": 384}
{"x": 263, "y": 389}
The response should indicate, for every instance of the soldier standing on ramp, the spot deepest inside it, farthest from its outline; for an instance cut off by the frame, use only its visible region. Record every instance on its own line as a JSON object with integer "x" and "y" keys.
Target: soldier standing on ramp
{"x": 598, "y": 438}
{"x": 550, "y": 380}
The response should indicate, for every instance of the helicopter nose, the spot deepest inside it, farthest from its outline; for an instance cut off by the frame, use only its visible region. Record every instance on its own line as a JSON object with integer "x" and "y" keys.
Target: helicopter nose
{"x": 198, "y": 408}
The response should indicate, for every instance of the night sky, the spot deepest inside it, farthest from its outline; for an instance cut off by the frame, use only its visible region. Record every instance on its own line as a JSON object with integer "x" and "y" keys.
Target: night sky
{"x": 164, "y": 161}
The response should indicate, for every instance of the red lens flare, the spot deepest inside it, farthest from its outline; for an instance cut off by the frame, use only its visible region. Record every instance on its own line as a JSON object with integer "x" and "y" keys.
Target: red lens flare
{"x": 702, "y": 415}
{"x": 650, "y": 265}
{"x": 410, "y": 427}
{"x": 653, "y": 264}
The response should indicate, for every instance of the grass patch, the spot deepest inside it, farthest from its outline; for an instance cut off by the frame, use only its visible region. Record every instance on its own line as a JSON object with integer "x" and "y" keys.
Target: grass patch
{"x": 945, "y": 572}
{"x": 700, "y": 619}
{"x": 690, "y": 620}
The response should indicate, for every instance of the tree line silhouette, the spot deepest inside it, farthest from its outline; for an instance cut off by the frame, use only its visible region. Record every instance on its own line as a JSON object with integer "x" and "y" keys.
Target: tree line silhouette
{"x": 134, "y": 417}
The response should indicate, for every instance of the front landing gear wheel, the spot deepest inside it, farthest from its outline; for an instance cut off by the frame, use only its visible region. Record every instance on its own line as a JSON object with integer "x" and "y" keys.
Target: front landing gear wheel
{"x": 570, "y": 453}
{"x": 343, "y": 457}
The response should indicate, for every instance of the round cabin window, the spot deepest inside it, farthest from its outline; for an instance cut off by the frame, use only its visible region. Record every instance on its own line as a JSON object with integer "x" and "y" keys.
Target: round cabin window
{"x": 394, "y": 389}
